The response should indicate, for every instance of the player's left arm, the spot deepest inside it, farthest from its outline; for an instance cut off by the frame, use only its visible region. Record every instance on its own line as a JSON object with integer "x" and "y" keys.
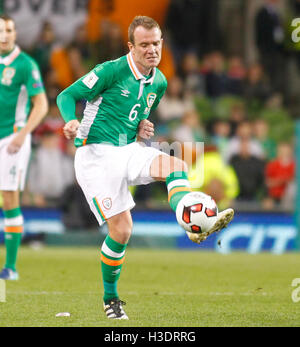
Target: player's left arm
{"x": 38, "y": 112}
{"x": 145, "y": 129}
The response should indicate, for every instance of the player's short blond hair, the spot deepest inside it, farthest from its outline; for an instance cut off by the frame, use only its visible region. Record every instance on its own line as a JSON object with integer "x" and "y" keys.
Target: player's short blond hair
{"x": 144, "y": 21}
{"x": 6, "y": 18}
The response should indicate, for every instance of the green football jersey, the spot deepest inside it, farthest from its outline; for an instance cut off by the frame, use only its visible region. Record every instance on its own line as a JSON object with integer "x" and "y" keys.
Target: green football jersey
{"x": 20, "y": 79}
{"x": 118, "y": 98}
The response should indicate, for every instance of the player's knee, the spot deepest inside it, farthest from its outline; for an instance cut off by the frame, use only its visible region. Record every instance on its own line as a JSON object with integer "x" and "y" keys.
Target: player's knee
{"x": 10, "y": 199}
{"x": 120, "y": 234}
{"x": 124, "y": 229}
{"x": 120, "y": 229}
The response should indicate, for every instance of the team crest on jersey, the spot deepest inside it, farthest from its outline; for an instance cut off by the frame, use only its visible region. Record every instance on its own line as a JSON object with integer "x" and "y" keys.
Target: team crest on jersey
{"x": 150, "y": 99}
{"x": 107, "y": 203}
{"x": 7, "y": 75}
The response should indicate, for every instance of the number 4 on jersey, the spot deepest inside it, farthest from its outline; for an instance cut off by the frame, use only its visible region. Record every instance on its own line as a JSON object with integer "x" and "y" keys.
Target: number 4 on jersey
{"x": 13, "y": 171}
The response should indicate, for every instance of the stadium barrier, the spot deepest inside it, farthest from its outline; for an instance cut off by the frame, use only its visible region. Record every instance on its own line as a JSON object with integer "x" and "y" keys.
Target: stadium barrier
{"x": 249, "y": 232}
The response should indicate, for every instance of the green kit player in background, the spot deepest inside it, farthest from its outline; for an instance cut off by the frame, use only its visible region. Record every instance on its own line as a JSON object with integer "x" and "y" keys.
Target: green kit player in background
{"x": 20, "y": 86}
{"x": 120, "y": 95}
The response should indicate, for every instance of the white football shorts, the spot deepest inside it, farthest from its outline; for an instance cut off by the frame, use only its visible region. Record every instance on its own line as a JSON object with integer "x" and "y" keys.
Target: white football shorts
{"x": 104, "y": 172}
{"x": 13, "y": 167}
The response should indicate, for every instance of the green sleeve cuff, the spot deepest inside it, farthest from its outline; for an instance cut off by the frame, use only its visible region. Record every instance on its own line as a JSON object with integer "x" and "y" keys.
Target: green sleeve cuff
{"x": 67, "y": 106}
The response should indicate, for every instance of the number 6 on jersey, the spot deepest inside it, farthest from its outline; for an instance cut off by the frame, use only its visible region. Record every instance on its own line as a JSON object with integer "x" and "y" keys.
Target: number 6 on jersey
{"x": 133, "y": 113}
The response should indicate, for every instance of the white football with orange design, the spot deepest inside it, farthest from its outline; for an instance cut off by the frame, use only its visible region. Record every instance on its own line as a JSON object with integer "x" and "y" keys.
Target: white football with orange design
{"x": 197, "y": 212}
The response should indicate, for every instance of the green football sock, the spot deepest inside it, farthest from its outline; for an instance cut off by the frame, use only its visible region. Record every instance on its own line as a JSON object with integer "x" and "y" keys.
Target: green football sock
{"x": 13, "y": 229}
{"x": 112, "y": 258}
{"x": 178, "y": 186}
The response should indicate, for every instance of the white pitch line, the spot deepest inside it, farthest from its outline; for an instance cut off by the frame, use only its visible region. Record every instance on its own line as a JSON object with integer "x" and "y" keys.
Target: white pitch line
{"x": 209, "y": 293}
{"x": 49, "y": 293}
{"x": 136, "y": 293}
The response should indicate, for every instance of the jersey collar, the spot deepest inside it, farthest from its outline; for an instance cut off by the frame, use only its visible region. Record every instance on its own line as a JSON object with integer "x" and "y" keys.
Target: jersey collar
{"x": 8, "y": 59}
{"x": 136, "y": 73}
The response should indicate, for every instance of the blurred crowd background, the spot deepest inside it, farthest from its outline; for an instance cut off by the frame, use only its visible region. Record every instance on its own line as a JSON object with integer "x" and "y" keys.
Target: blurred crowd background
{"x": 233, "y": 83}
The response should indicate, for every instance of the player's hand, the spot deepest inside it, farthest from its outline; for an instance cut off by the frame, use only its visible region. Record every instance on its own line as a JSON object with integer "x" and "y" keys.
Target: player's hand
{"x": 16, "y": 143}
{"x": 70, "y": 129}
{"x": 146, "y": 129}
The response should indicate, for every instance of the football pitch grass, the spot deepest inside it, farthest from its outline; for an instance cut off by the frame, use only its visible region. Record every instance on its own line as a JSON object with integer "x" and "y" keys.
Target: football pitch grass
{"x": 162, "y": 288}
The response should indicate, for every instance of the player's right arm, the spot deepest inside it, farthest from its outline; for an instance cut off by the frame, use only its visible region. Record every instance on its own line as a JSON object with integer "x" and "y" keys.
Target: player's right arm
{"x": 86, "y": 88}
{"x": 70, "y": 129}
{"x": 34, "y": 87}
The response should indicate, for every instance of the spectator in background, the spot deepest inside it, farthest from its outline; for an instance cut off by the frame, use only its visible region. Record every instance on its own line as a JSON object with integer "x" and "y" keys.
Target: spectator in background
{"x": 42, "y": 50}
{"x": 61, "y": 74}
{"x": 220, "y": 136}
{"x": 261, "y": 134}
{"x": 275, "y": 102}
{"x": 80, "y": 53}
{"x": 188, "y": 133}
{"x": 70, "y": 62}
{"x": 216, "y": 79}
{"x": 236, "y": 73}
{"x": 52, "y": 85}
{"x": 256, "y": 87}
{"x": 250, "y": 172}
{"x": 269, "y": 35}
{"x": 111, "y": 45}
{"x": 280, "y": 173}
{"x": 206, "y": 64}
{"x": 68, "y": 162}
{"x": 53, "y": 120}
{"x": 190, "y": 129}
{"x": 76, "y": 213}
{"x": 244, "y": 134}
{"x": 52, "y": 123}
{"x": 214, "y": 177}
{"x": 193, "y": 80}
{"x": 193, "y": 26}
{"x": 172, "y": 106}
{"x": 50, "y": 170}
{"x": 237, "y": 115}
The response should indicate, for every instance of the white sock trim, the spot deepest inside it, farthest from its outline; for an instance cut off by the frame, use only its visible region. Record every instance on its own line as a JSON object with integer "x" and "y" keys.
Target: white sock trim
{"x": 178, "y": 183}
{"x": 16, "y": 221}
{"x": 105, "y": 249}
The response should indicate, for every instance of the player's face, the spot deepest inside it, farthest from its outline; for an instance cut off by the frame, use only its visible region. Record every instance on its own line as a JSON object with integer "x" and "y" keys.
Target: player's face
{"x": 7, "y": 36}
{"x": 146, "y": 50}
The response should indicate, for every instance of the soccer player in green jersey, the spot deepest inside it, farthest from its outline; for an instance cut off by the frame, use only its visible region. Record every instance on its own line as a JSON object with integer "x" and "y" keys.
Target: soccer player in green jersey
{"x": 20, "y": 86}
{"x": 120, "y": 95}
